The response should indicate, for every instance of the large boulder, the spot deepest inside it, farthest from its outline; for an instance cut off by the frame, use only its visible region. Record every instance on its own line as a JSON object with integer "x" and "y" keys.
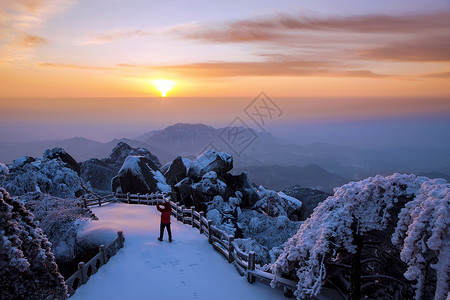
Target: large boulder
{"x": 309, "y": 197}
{"x": 27, "y": 265}
{"x": 279, "y": 204}
{"x": 183, "y": 192}
{"x": 176, "y": 171}
{"x": 242, "y": 184}
{"x": 123, "y": 150}
{"x": 210, "y": 160}
{"x": 139, "y": 175}
{"x": 98, "y": 174}
{"x": 60, "y": 153}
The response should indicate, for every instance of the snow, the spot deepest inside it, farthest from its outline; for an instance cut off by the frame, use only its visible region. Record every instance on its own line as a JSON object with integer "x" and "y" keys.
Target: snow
{"x": 424, "y": 225}
{"x": 131, "y": 164}
{"x": 3, "y": 170}
{"x": 161, "y": 181}
{"x": 188, "y": 268}
{"x": 210, "y": 184}
{"x": 368, "y": 203}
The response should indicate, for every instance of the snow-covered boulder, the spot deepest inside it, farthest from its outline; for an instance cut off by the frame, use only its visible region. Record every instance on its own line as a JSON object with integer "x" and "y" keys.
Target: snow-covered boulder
{"x": 123, "y": 150}
{"x": 27, "y": 265}
{"x": 242, "y": 184}
{"x": 210, "y": 185}
{"x": 98, "y": 173}
{"x": 268, "y": 231}
{"x": 139, "y": 175}
{"x": 278, "y": 204}
{"x": 310, "y": 198}
{"x": 62, "y": 155}
{"x": 21, "y": 161}
{"x": 183, "y": 191}
{"x": 176, "y": 171}
{"x": 210, "y": 160}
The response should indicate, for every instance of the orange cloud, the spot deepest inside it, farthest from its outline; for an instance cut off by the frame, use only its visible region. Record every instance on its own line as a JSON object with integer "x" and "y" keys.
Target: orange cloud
{"x": 73, "y": 66}
{"x": 29, "y": 41}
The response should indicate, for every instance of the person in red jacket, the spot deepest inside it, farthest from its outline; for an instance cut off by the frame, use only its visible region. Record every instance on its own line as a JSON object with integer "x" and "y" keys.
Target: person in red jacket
{"x": 165, "y": 219}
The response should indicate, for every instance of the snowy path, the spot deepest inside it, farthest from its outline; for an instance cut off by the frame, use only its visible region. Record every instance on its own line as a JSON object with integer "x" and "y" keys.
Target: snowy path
{"x": 145, "y": 268}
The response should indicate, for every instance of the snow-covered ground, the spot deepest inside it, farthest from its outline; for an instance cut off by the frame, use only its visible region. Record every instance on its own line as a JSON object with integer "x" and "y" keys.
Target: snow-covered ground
{"x": 188, "y": 268}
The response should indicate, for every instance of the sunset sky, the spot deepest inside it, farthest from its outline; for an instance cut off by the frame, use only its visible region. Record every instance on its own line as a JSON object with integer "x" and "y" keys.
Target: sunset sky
{"x": 79, "y": 63}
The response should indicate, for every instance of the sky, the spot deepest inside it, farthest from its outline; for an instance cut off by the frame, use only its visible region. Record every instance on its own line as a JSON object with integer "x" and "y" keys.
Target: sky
{"x": 85, "y": 68}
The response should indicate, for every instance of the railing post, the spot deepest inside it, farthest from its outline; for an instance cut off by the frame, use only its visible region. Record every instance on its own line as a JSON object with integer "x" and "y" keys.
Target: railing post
{"x": 251, "y": 266}
{"x": 84, "y": 201}
{"x": 120, "y": 234}
{"x": 128, "y": 197}
{"x": 230, "y": 249}
{"x": 103, "y": 252}
{"x": 99, "y": 202}
{"x": 139, "y": 198}
{"x": 210, "y": 232}
{"x": 192, "y": 216}
{"x": 182, "y": 213}
{"x": 202, "y": 214}
{"x": 83, "y": 272}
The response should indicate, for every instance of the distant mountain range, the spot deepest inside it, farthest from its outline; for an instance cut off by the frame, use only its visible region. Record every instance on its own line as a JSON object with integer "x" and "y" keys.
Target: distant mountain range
{"x": 279, "y": 177}
{"x": 268, "y": 160}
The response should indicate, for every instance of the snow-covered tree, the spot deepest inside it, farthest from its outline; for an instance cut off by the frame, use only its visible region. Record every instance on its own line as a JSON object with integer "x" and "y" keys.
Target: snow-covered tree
{"x": 52, "y": 177}
{"x": 423, "y": 234}
{"x": 3, "y": 172}
{"x": 27, "y": 266}
{"x": 341, "y": 232}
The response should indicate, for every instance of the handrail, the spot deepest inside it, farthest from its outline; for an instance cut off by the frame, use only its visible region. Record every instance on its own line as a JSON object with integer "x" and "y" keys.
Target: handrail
{"x": 86, "y": 270}
{"x": 219, "y": 239}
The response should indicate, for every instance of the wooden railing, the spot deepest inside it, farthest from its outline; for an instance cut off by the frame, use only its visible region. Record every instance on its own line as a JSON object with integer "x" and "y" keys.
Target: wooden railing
{"x": 86, "y": 270}
{"x": 220, "y": 240}
{"x": 97, "y": 200}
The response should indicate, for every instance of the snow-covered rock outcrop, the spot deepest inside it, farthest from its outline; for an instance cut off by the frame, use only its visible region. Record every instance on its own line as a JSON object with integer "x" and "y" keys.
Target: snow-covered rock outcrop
{"x": 98, "y": 173}
{"x": 278, "y": 204}
{"x": 55, "y": 174}
{"x": 176, "y": 170}
{"x": 138, "y": 174}
{"x": 27, "y": 265}
{"x": 210, "y": 160}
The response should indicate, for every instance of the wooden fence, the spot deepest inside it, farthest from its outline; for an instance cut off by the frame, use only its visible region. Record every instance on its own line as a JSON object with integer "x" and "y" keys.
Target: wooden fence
{"x": 220, "y": 240}
{"x": 86, "y": 270}
{"x": 97, "y": 201}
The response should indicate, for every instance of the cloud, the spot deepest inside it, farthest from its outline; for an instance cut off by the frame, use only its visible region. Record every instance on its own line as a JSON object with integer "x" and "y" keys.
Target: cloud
{"x": 110, "y": 36}
{"x": 74, "y": 66}
{"x": 413, "y": 37}
{"x": 281, "y": 26}
{"x": 287, "y": 68}
{"x": 437, "y": 75}
{"x": 221, "y": 69}
{"x": 29, "y": 41}
{"x": 421, "y": 49}
{"x": 19, "y": 18}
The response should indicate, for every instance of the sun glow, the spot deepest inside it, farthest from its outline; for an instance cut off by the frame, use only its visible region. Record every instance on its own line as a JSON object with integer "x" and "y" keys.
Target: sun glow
{"x": 163, "y": 86}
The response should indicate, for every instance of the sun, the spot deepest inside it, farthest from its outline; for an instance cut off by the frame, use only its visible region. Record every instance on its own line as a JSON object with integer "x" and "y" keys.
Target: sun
{"x": 163, "y": 86}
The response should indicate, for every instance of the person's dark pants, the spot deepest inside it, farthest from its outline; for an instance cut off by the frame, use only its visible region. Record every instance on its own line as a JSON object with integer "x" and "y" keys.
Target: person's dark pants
{"x": 161, "y": 231}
